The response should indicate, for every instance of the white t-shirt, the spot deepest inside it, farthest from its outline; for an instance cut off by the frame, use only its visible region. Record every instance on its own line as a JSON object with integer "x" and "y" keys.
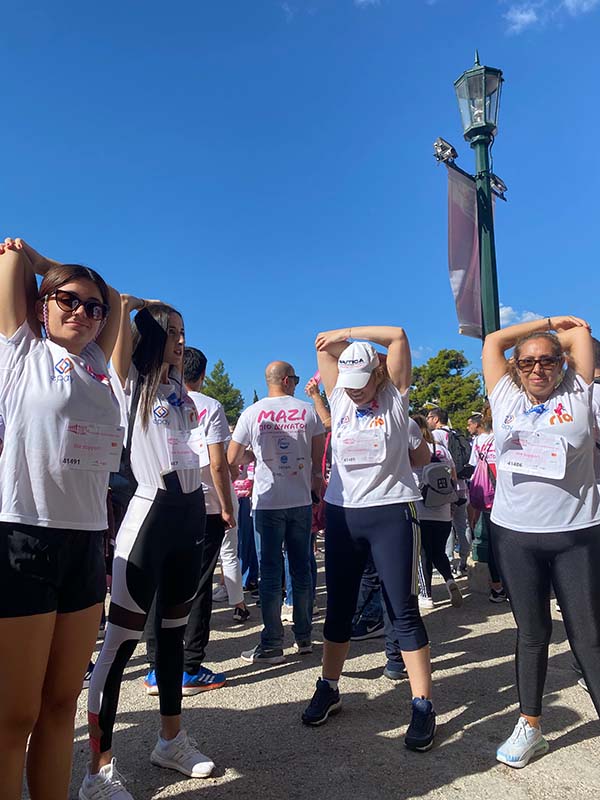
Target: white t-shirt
{"x": 212, "y": 419}
{"x": 441, "y": 513}
{"x": 442, "y": 435}
{"x": 562, "y": 425}
{"x": 484, "y": 445}
{"x": 596, "y": 413}
{"x": 43, "y": 389}
{"x": 280, "y": 431}
{"x": 165, "y": 446}
{"x": 370, "y": 447}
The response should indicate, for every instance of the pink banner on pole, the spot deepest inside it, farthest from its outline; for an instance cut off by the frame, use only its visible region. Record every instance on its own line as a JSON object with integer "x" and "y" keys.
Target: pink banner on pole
{"x": 463, "y": 252}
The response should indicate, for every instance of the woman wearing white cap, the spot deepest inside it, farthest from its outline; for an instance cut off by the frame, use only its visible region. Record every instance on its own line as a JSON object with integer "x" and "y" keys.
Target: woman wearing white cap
{"x": 370, "y": 507}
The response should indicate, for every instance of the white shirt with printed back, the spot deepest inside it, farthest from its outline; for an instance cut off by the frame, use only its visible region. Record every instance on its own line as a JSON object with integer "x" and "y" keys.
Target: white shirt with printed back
{"x": 280, "y": 431}
{"x": 171, "y": 441}
{"x": 596, "y": 413}
{"x": 442, "y": 435}
{"x": 212, "y": 420}
{"x": 563, "y": 429}
{"x": 370, "y": 444}
{"x": 45, "y": 391}
{"x": 441, "y": 513}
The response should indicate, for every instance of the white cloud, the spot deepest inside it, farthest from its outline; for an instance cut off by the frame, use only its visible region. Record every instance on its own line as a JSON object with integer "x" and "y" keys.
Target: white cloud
{"x": 420, "y": 353}
{"x": 365, "y": 3}
{"x": 520, "y": 18}
{"x": 576, "y": 7}
{"x": 510, "y": 316}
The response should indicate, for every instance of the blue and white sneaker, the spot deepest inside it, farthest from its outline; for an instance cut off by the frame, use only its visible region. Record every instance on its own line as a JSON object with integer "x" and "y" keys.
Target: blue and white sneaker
{"x": 150, "y": 684}
{"x": 524, "y": 743}
{"x": 364, "y": 629}
{"x": 325, "y": 701}
{"x": 203, "y": 681}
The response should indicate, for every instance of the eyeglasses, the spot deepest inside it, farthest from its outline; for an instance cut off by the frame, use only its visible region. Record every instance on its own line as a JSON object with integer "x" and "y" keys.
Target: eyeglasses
{"x": 293, "y": 378}
{"x": 67, "y": 301}
{"x": 527, "y": 365}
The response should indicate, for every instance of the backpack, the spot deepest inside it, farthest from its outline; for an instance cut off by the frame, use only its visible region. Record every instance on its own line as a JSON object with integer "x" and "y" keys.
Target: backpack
{"x": 437, "y": 487}
{"x": 482, "y": 486}
{"x": 460, "y": 450}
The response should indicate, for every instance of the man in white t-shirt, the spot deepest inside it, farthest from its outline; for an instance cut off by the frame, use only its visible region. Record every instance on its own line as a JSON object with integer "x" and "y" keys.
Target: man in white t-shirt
{"x": 437, "y": 419}
{"x": 216, "y": 483}
{"x": 287, "y": 439}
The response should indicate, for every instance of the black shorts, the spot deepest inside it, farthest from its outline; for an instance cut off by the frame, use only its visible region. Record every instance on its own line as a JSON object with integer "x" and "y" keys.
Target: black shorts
{"x": 49, "y": 569}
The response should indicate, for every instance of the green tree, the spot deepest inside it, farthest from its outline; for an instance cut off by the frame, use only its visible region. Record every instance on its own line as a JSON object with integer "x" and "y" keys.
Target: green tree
{"x": 218, "y": 385}
{"x": 255, "y": 399}
{"x": 446, "y": 382}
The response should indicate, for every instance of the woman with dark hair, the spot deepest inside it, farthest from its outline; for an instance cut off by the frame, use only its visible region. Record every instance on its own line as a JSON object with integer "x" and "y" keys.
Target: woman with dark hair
{"x": 546, "y": 512}
{"x": 159, "y": 544}
{"x": 62, "y": 439}
{"x": 370, "y": 506}
{"x": 435, "y": 523}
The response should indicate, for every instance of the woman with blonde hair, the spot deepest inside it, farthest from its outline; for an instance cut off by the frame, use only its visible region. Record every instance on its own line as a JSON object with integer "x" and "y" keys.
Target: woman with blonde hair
{"x": 370, "y": 506}
{"x": 546, "y": 512}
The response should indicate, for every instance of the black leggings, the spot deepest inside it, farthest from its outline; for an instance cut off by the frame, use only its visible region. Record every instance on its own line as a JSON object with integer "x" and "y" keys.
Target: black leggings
{"x": 434, "y": 535}
{"x": 158, "y": 551}
{"x": 392, "y": 534}
{"x": 532, "y": 563}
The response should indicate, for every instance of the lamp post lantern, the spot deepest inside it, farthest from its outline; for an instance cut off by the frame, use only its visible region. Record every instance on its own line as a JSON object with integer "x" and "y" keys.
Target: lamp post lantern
{"x": 478, "y": 92}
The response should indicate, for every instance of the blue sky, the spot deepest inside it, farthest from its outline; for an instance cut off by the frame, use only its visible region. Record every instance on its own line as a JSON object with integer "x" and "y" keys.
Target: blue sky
{"x": 267, "y": 166}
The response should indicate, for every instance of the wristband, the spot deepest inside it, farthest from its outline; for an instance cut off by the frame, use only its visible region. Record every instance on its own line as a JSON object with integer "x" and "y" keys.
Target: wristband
{"x": 549, "y": 323}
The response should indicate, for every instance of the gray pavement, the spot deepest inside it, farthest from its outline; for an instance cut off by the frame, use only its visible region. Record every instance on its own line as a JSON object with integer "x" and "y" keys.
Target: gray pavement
{"x": 251, "y": 727}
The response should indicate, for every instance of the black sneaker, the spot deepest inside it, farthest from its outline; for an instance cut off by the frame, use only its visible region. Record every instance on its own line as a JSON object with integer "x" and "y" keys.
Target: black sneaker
{"x": 497, "y": 596}
{"x": 421, "y": 730}
{"x": 395, "y": 670}
{"x": 241, "y": 614}
{"x": 325, "y": 701}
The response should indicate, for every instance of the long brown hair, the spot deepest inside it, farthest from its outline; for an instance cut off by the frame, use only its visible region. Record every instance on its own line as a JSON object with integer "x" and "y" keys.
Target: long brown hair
{"x": 422, "y": 423}
{"x": 58, "y": 276}
{"x": 149, "y": 335}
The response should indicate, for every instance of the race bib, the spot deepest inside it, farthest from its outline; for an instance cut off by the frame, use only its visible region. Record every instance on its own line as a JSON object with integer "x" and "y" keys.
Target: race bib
{"x": 357, "y": 448}
{"x": 197, "y": 443}
{"x": 182, "y": 446}
{"x": 541, "y": 455}
{"x": 89, "y": 446}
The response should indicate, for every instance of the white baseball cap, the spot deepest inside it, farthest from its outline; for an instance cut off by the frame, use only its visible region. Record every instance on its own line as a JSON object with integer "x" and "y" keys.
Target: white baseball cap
{"x": 356, "y": 365}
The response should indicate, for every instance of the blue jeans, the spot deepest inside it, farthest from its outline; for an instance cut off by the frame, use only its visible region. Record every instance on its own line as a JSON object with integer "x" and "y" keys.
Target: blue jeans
{"x": 461, "y": 533}
{"x": 276, "y": 528}
{"x": 289, "y": 589}
{"x": 246, "y": 546}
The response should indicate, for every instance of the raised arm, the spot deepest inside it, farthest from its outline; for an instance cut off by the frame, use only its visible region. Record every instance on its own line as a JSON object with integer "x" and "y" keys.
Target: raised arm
{"x": 399, "y": 364}
{"x": 123, "y": 348}
{"x": 495, "y": 363}
{"x": 18, "y": 287}
{"x": 312, "y": 390}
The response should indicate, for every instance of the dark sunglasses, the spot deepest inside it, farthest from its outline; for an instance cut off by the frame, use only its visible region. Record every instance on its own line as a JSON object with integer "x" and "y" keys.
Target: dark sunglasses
{"x": 293, "y": 378}
{"x": 68, "y": 301}
{"x": 527, "y": 364}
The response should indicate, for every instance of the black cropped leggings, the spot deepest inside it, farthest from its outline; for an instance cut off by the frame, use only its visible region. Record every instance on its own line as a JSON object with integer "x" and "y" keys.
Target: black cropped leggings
{"x": 530, "y": 565}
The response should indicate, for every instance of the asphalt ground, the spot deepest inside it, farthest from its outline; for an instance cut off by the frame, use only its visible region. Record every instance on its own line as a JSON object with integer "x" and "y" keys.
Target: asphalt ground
{"x": 251, "y": 727}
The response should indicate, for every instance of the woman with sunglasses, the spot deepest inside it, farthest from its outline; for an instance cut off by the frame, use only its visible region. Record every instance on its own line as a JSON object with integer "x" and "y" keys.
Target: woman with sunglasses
{"x": 546, "y": 513}
{"x": 62, "y": 439}
{"x": 159, "y": 543}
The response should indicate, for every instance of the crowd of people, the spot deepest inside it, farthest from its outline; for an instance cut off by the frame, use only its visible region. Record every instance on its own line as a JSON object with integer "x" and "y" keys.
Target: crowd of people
{"x": 130, "y": 470}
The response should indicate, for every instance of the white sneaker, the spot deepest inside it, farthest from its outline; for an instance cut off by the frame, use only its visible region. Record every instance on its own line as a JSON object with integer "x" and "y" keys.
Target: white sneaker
{"x": 454, "y": 594}
{"x": 524, "y": 743}
{"x": 182, "y": 754}
{"x": 219, "y": 594}
{"x": 287, "y": 613}
{"x": 425, "y": 602}
{"x": 107, "y": 783}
